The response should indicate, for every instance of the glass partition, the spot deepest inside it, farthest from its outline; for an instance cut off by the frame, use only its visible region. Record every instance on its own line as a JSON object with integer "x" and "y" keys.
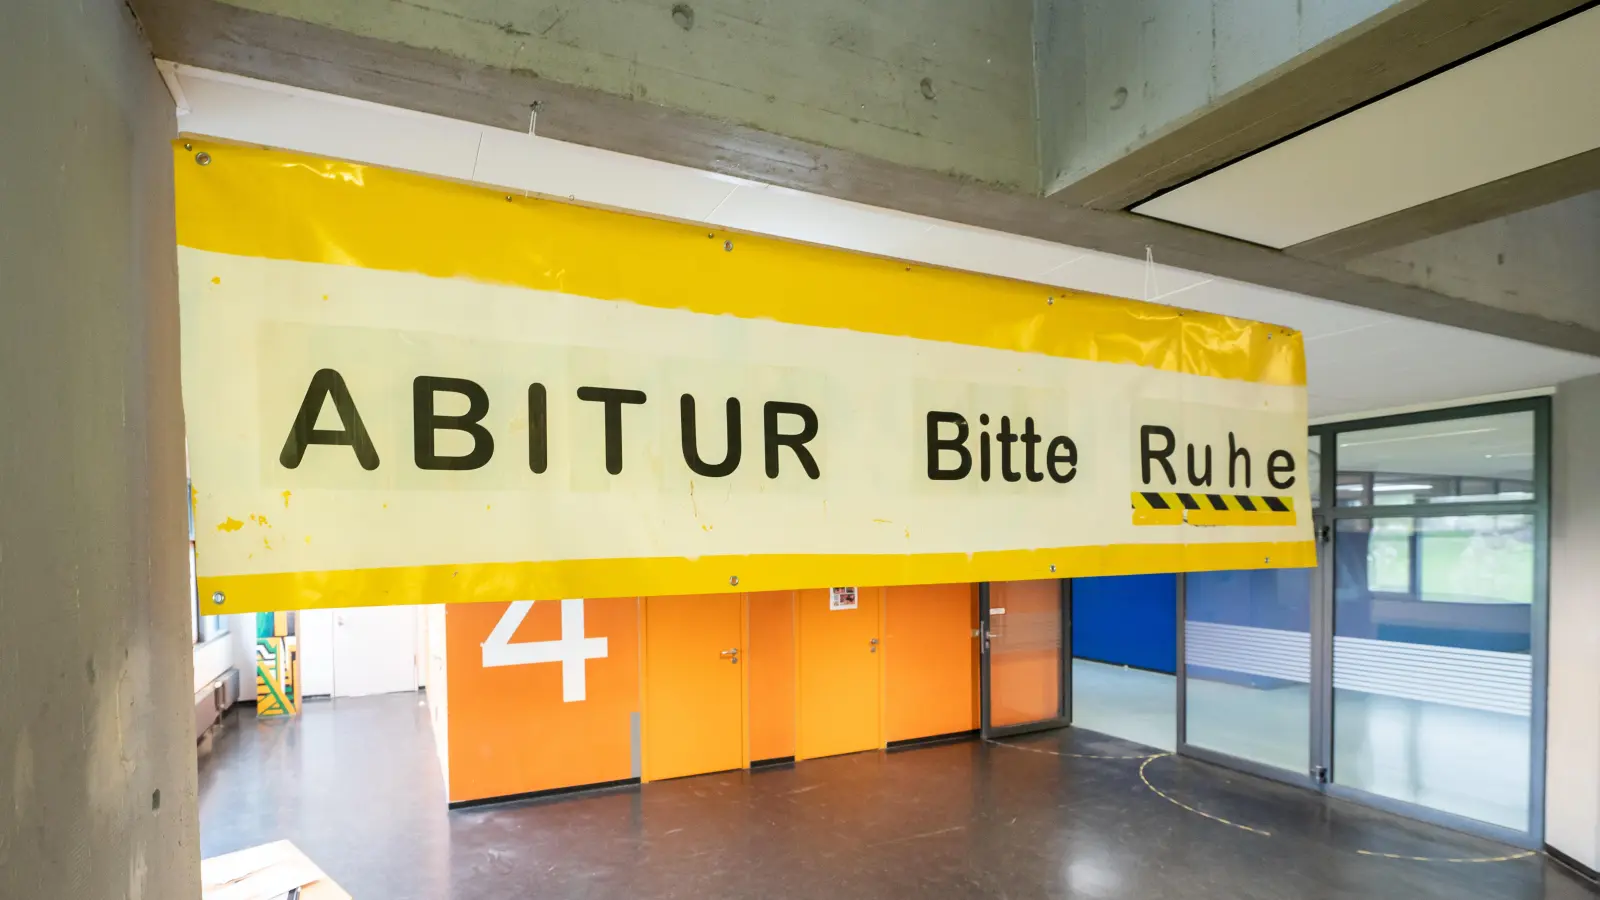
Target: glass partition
{"x": 1247, "y": 654}
{"x": 1437, "y": 612}
{"x": 1406, "y": 670}
{"x": 1432, "y": 665}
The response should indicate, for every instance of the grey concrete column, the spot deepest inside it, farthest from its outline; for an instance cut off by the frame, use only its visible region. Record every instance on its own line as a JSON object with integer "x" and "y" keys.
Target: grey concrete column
{"x": 1572, "y": 775}
{"x": 97, "y": 764}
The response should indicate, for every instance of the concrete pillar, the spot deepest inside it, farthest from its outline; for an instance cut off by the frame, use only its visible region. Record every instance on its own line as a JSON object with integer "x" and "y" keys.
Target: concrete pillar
{"x": 1572, "y": 759}
{"x": 97, "y": 764}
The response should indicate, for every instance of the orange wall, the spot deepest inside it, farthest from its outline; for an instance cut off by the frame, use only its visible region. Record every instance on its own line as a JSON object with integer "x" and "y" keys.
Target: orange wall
{"x": 510, "y": 730}
{"x": 932, "y": 661}
{"x": 770, "y": 656}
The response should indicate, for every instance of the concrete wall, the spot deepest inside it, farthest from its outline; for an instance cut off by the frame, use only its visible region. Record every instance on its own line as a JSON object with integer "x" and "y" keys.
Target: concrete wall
{"x": 1541, "y": 261}
{"x": 1572, "y": 757}
{"x": 842, "y": 73}
{"x": 1114, "y": 73}
{"x": 97, "y": 764}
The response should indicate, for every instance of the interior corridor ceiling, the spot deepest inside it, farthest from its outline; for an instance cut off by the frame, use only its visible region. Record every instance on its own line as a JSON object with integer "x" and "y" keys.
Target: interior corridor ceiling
{"x": 1358, "y": 360}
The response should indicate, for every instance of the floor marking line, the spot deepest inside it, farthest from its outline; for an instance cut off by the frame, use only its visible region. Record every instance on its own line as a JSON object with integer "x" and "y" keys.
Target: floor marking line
{"x": 1068, "y": 755}
{"x": 1157, "y": 791}
{"x": 1146, "y": 760}
{"x": 1445, "y": 859}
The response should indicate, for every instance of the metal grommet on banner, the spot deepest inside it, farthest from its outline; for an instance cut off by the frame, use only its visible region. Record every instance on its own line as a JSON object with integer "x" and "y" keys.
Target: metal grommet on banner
{"x": 1052, "y": 567}
{"x": 734, "y": 581}
{"x": 217, "y": 597}
{"x": 203, "y": 158}
{"x": 728, "y": 246}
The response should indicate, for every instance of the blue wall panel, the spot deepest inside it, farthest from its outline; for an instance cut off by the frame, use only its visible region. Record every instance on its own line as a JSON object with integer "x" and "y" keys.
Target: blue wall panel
{"x": 1127, "y": 620}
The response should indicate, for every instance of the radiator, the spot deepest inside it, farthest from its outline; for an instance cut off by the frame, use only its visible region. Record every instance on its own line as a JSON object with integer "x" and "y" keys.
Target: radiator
{"x": 213, "y": 700}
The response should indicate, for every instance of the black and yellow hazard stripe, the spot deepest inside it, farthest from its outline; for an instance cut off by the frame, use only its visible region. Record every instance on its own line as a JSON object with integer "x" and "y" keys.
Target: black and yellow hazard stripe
{"x": 1178, "y": 508}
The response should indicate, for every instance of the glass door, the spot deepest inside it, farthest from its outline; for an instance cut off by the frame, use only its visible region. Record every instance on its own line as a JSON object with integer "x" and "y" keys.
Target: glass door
{"x": 1434, "y": 610}
{"x": 1024, "y": 655}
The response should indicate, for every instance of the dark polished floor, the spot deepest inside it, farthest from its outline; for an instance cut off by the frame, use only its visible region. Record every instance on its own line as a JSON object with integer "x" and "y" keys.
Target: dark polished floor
{"x": 356, "y": 785}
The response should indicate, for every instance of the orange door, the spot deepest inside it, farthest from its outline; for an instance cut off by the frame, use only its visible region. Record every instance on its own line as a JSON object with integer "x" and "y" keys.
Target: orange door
{"x": 771, "y": 674}
{"x": 838, "y": 682}
{"x": 930, "y": 666}
{"x": 693, "y": 685}
{"x": 1025, "y": 652}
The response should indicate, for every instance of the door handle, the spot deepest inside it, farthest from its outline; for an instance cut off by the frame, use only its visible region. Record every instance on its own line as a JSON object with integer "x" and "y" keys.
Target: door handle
{"x": 730, "y": 654}
{"x": 874, "y": 643}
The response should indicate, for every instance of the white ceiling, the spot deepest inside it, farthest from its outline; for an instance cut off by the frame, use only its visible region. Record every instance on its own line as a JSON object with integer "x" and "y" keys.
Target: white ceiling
{"x": 1531, "y": 102}
{"x": 1358, "y": 360}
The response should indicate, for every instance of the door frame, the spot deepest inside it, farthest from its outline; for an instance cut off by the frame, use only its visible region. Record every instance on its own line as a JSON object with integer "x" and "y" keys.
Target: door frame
{"x": 1063, "y": 716}
{"x": 1328, "y": 516}
{"x": 1324, "y": 517}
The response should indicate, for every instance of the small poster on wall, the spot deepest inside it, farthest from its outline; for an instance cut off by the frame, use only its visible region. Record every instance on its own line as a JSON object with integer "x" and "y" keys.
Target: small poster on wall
{"x": 841, "y": 598}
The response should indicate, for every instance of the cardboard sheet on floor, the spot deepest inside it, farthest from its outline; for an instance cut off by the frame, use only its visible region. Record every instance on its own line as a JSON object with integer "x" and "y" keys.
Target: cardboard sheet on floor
{"x": 268, "y": 872}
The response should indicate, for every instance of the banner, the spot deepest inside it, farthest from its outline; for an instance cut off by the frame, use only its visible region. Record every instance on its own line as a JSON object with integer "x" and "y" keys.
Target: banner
{"x": 405, "y": 390}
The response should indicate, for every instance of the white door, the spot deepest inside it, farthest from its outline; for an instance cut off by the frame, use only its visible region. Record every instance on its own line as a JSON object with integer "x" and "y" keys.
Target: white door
{"x": 374, "y": 650}
{"x": 315, "y": 627}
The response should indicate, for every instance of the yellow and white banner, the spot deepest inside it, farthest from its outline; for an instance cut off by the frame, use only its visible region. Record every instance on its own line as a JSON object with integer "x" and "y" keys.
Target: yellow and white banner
{"x": 405, "y": 390}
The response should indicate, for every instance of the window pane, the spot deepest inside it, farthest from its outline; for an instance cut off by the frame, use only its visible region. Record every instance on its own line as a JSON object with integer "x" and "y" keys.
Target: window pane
{"x": 1454, "y": 461}
{"x": 1432, "y": 672}
{"x": 1247, "y": 654}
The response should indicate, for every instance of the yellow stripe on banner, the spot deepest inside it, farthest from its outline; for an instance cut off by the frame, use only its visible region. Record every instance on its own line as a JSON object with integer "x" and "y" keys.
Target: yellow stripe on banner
{"x": 1264, "y": 517}
{"x": 500, "y": 582}
{"x": 267, "y": 203}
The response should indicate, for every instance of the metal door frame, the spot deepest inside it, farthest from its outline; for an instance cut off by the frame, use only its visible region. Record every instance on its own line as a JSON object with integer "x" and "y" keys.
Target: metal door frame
{"x": 1063, "y": 716}
{"x": 1328, "y": 516}
{"x": 1320, "y": 777}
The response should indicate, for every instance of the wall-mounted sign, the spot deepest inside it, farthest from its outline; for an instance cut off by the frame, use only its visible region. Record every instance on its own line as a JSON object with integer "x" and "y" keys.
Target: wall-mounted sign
{"x": 405, "y": 390}
{"x": 841, "y": 598}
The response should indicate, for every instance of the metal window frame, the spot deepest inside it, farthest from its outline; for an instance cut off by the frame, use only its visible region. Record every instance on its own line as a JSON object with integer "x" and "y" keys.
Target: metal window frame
{"x": 1325, "y": 519}
{"x": 1063, "y": 716}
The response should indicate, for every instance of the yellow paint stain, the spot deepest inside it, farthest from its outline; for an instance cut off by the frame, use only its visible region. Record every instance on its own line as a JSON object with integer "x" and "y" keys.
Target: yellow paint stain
{"x": 386, "y": 506}
{"x": 487, "y": 506}
{"x": 230, "y": 524}
{"x": 285, "y": 499}
{"x": 216, "y": 279}
{"x": 324, "y": 296}
{"x": 908, "y": 534}
{"x": 266, "y": 543}
{"x": 308, "y": 538}
{"x": 262, "y": 521}
{"x": 883, "y": 521}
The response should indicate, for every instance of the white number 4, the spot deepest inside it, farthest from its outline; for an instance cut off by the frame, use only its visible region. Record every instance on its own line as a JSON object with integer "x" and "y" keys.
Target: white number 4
{"x": 571, "y": 650}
